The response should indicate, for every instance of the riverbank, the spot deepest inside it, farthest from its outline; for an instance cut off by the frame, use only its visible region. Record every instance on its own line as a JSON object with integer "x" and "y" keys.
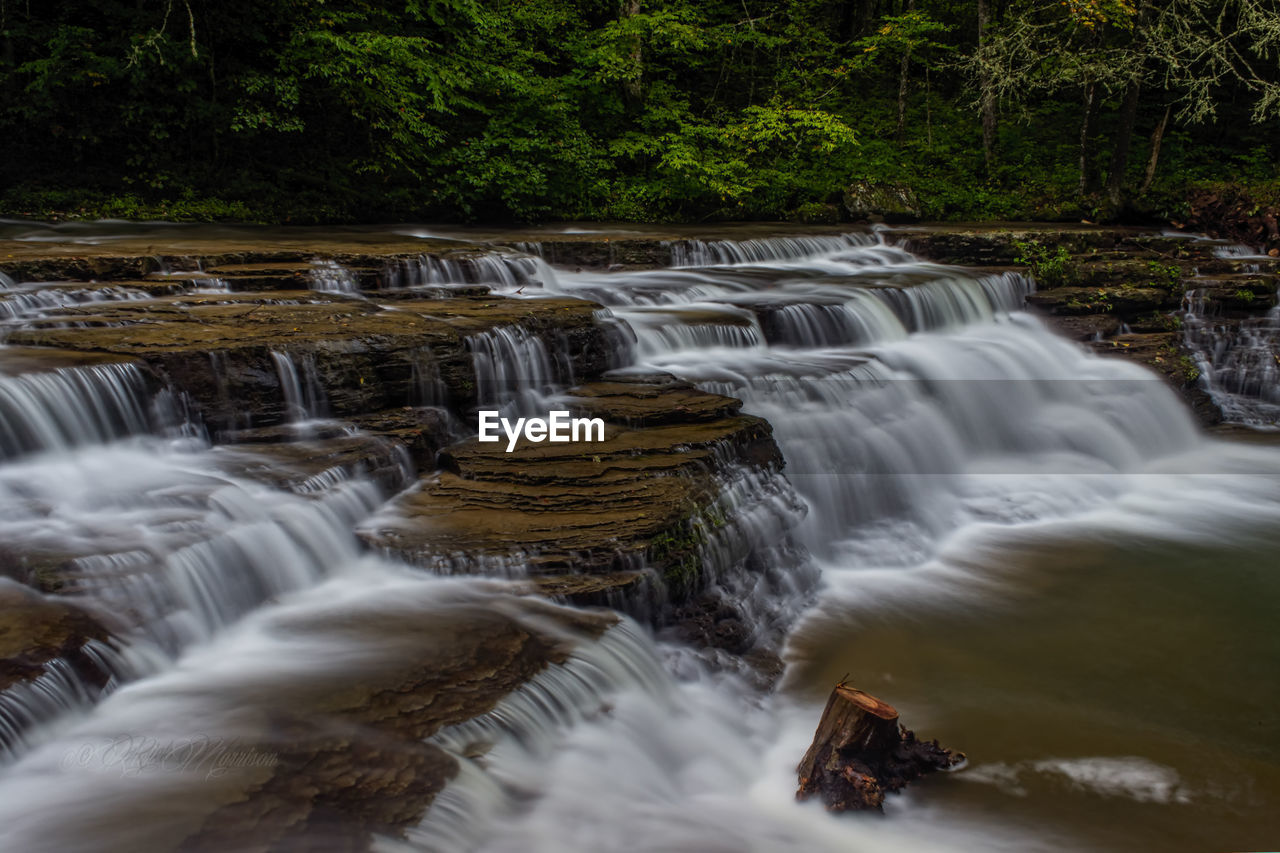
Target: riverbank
{"x": 1239, "y": 211}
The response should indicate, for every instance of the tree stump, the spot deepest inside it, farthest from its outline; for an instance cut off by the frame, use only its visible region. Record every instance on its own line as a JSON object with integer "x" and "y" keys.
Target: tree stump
{"x": 860, "y": 753}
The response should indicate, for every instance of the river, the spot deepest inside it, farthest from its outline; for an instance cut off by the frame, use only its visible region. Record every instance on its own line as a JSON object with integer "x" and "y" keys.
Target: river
{"x": 1034, "y": 553}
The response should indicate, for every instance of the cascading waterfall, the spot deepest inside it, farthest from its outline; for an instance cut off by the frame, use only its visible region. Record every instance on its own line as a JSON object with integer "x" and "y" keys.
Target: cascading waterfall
{"x": 661, "y": 330}
{"x": 166, "y": 547}
{"x": 332, "y": 277}
{"x": 38, "y": 300}
{"x": 704, "y": 253}
{"x": 514, "y": 369}
{"x": 931, "y": 429}
{"x": 71, "y": 407}
{"x": 61, "y": 691}
{"x": 526, "y": 727}
{"x": 304, "y": 396}
{"x": 884, "y": 381}
{"x": 1237, "y": 361}
{"x": 427, "y": 386}
{"x": 502, "y": 272}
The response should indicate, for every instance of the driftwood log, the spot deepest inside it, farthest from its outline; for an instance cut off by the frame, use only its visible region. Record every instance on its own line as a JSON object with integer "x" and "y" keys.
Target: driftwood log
{"x": 860, "y": 753}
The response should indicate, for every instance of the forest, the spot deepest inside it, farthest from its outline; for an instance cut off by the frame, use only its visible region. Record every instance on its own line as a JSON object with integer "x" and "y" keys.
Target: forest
{"x": 529, "y": 110}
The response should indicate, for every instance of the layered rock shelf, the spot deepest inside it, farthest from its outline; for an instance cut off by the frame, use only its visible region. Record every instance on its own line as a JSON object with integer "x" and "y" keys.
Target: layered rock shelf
{"x": 217, "y": 348}
{"x": 584, "y": 520}
{"x": 321, "y": 404}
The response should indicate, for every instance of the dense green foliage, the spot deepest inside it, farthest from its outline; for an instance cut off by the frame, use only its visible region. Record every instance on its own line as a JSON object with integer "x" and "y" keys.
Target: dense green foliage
{"x": 532, "y": 109}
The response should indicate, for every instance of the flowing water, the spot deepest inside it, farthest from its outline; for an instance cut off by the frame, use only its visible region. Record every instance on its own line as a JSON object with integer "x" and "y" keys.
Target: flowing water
{"x": 1032, "y": 552}
{"x": 1237, "y": 362}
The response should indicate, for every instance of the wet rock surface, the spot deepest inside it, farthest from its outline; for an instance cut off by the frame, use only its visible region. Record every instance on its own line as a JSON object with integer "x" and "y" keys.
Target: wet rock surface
{"x": 36, "y": 629}
{"x": 592, "y": 507}
{"x": 347, "y": 754}
{"x": 389, "y": 376}
{"x": 218, "y": 349}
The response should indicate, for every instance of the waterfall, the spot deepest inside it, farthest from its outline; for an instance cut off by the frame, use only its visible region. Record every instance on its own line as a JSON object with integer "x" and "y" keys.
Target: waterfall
{"x": 953, "y": 473}
{"x": 166, "y": 547}
{"x": 660, "y": 329}
{"x": 1237, "y": 361}
{"x": 304, "y": 396}
{"x": 61, "y": 691}
{"x": 703, "y": 253}
{"x": 71, "y": 407}
{"x": 526, "y": 728}
{"x": 332, "y": 277}
{"x": 889, "y": 385}
{"x": 426, "y": 386}
{"x": 500, "y": 271}
{"x": 38, "y": 300}
{"x": 514, "y": 369}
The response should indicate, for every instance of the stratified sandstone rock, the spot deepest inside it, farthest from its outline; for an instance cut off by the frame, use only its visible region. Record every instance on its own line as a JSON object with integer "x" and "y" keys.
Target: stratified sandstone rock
{"x": 1118, "y": 301}
{"x": 592, "y": 508}
{"x": 218, "y": 348}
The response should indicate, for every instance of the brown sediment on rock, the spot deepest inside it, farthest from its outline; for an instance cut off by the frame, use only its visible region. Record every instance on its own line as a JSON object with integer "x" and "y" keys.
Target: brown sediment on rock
{"x": 36, "y": 629}
{"x": 860, "y": 753}
{"x": 421, "y": 431}
{"x": 584, "y": 507}
{"x": 650, "y": 403}
{"x": 217, "y": 348}
{"x": 16, "y": 360}
{"x": 591, "y": 590}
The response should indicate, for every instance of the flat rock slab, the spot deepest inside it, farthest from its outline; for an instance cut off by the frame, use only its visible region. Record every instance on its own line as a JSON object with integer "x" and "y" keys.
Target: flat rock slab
{"x": 217, "y": 348}
{"x": 15, "y": 360}
{"x": 636, "y": 404}
{"x": 586, "y": 506}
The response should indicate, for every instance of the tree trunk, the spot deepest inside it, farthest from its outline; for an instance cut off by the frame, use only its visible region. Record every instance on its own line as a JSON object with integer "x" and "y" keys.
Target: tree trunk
{"x": 860, "y": 753}
{"x": 1088, "y": 181}
{"x": 903, "y": 77}
{"x": 1124, "y": 140}
{"x": 862, "y": 22}
{"x": 634, "y": 87}
{"x": 984, "y": 83}
{"x": 1157, "y": 137}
